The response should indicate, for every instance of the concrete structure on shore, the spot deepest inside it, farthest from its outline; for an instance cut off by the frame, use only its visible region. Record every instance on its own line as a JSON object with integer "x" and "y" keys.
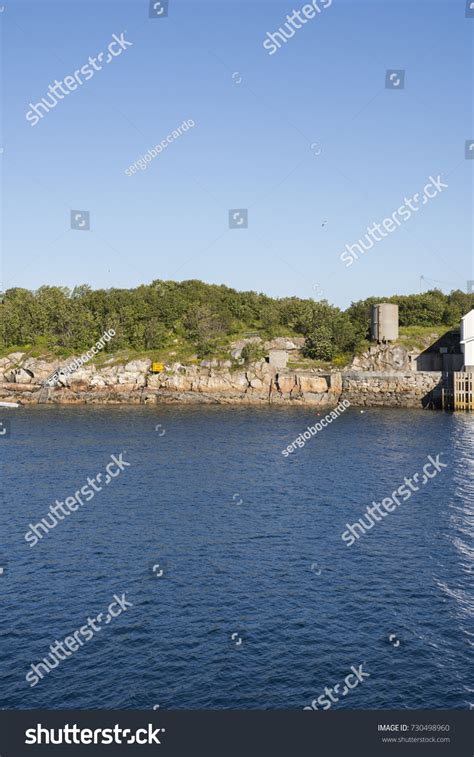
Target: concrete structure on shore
{"x": 278, "y": 359}
{"x": 384, "y": 322}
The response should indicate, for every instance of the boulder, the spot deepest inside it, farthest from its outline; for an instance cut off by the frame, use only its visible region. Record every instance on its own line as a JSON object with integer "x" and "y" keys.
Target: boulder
{"x": 313, "y": 384}
{"x": 288, "y": 344}
{"x": 38, "y": 366}
{"x": 138, "y": 366}
{"x": 20, "y": 376}
{"x": 383, "y": 357}
{"x": 286, "y": 384}
{"x": 129, "y": 377}
{"x": 177, "y": 383}
{"x": 335, "y": 382}
{"x": 82, "y": 375}
{"x": 209, "y": 363}
{"x": 263, "y": 370}
{"x": 15, "y": 357}
{"x": 155, "y": 380}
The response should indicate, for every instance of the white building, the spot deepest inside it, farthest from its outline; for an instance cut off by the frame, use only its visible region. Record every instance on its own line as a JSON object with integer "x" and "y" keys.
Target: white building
{"x": 467, "y": 340}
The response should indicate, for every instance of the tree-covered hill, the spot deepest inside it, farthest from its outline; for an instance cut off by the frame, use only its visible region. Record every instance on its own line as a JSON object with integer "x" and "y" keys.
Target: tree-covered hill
{"x": 205, "y": 316}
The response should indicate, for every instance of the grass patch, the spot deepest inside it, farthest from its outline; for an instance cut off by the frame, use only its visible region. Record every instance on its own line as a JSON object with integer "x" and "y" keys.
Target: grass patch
{"x": 420, "y": 337}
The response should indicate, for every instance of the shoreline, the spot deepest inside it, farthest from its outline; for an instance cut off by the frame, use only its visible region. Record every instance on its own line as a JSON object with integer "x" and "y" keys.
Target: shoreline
{"x": 256, "y": 385}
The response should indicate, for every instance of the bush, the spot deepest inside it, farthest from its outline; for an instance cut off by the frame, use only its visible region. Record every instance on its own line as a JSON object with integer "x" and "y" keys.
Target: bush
{"x": 252, "y": 352}
{"x": 319, "y": 344}
{"x": 202, "y": 315}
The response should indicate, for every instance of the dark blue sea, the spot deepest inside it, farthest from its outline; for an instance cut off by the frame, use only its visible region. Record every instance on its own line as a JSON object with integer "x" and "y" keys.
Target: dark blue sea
{"x": 243, "y": 593}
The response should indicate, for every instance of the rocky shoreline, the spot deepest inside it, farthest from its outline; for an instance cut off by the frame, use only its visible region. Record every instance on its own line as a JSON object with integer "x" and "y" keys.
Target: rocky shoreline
{"x": 22, "y": 379}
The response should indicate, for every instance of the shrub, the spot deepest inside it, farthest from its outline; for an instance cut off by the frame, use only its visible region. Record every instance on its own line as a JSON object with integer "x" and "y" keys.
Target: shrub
{"x": 252, "y": 352}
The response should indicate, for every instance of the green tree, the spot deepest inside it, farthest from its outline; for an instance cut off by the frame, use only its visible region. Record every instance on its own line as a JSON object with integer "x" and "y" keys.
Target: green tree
{"x": 252, "y": 352}
{"x": 156, "y": 335}
{"x": 319, "y": 343}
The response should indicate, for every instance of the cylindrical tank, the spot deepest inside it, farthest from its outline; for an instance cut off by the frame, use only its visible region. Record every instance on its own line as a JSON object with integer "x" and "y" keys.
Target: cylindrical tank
{"x": 384, "y": 322}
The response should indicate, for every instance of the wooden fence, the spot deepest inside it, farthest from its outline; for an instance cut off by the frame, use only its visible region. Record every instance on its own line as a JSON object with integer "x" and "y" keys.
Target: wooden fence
{"x": 463, "y": 384}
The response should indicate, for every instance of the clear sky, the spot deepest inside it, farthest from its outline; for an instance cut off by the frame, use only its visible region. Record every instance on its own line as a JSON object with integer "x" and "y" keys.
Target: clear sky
{"x": 256, "y": 118}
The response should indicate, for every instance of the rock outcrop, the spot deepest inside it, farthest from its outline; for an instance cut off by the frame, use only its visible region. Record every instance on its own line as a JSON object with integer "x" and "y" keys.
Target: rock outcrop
{"x": 384, "y": 358}
{"x": 22, "y": 379}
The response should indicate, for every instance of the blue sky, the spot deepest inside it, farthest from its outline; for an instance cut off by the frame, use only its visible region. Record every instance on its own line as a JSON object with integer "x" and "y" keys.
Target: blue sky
{"x": 256, "y": 116}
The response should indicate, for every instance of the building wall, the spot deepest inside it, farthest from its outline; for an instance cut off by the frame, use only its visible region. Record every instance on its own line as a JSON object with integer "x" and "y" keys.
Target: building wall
{"x": 467, "y": 339}
{"x": 278, "y": 358}
{"x": 468, "y": 350}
